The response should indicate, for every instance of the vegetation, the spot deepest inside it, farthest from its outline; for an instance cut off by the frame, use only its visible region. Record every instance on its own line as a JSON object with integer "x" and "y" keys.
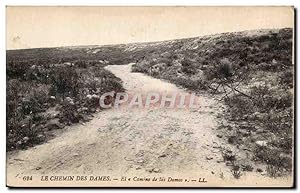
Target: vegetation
{"x": 252, "y": 74}
{"x": 50, "y": 88}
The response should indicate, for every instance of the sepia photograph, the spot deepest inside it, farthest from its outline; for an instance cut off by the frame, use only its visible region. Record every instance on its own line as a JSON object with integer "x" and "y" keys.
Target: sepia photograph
{"x": 157, "y": 96}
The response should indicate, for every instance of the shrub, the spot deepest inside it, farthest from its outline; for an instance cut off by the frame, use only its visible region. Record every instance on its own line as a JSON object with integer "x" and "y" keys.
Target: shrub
{"x": 80, "y": 64}
{"x": 223, "y": 69}
{"x": 142, "y": 66}
{"x": 274, "y": 159}
{"x": 68, "y": 113}
{"x": 236, "y": 172}
{"x": 188, "y": 67}
{"x": 17, "y": 69}
{"x": 188, "y": 83}
{"x": 65, "y": 81}
{"x": 240, "y": 105}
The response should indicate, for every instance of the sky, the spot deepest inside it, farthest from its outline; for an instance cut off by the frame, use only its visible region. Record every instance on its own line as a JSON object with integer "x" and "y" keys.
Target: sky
{"x": 36, "y": 27}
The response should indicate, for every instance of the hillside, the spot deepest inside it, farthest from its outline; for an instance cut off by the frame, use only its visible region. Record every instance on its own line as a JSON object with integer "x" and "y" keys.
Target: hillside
{"x": 250, "y": 72}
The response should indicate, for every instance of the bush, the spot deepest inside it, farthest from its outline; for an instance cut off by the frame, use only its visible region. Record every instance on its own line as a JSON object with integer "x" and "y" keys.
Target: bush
{"x": 275, "y": 160}
{"x": 142, "y": 66}
{"x": 65, "y": 82}
{"x": 68, "y": 113}
{"x": 17, "y": 69}
{"x": 268, "y": 99}
{"x": 188, "y": 67}
{"x": 240, "y": 105}
{"x": 221, "y": 70}
{"x": 194, "y": 85}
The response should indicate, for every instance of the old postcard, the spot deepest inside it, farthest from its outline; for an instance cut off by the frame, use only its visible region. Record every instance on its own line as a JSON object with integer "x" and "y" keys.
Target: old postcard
{"x": 150, "y": 96}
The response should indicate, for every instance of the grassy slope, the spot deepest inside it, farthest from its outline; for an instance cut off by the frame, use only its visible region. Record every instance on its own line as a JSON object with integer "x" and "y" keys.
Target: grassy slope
{"x": 258, "y": 62}
{"x": 259, "y": 118}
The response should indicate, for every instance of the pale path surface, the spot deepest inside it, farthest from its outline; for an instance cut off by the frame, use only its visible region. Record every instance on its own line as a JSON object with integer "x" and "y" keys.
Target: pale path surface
{"x": 135, "y": 142}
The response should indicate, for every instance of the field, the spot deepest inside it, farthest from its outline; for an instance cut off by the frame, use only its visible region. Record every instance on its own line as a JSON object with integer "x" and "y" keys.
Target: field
{"x": 250, "y": 73}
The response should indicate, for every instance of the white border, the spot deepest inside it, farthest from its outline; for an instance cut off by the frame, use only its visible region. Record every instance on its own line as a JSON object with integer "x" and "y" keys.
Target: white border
{"x": 108, "y": 2}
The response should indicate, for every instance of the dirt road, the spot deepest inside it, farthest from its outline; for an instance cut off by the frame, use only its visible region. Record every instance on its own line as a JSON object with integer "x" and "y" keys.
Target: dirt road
{"x": 176, "y": 143}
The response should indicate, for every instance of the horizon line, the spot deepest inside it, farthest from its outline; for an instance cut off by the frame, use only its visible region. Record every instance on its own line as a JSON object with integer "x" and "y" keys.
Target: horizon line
{"x": 145, "y": 42}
